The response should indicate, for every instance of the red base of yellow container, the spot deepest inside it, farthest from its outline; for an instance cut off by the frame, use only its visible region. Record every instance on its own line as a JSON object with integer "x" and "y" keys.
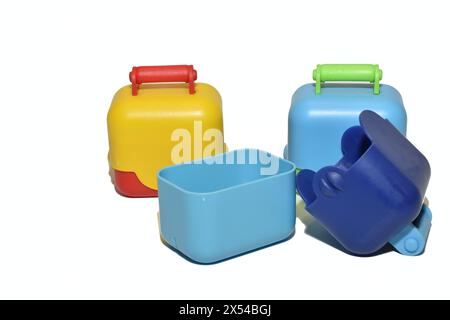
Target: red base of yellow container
{"x": 127, "y": 184}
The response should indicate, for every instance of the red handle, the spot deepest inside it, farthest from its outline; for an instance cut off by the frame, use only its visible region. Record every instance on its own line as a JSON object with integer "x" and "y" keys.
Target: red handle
{"x": 181, "y": 73}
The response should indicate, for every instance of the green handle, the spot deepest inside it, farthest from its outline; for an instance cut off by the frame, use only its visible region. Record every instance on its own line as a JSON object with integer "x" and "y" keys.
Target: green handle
{"x": 348, "y": 72}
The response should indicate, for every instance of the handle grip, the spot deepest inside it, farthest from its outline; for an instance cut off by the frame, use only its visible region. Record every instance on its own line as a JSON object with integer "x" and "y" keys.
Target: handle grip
{"x": 179, "y": 73}
{"x": 348, "y": 72}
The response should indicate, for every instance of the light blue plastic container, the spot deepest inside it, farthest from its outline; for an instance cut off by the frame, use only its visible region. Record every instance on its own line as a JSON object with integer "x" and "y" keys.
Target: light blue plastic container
{"x": 317, "y": 121}
{"x": 211, "y": 212}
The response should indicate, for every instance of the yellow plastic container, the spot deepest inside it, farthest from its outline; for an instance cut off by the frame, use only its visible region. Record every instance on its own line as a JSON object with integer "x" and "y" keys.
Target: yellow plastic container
{"x": 154, "y": 125}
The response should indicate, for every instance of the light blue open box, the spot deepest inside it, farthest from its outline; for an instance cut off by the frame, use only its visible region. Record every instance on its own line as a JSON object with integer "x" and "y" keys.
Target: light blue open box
{"x": 227, "y": 205}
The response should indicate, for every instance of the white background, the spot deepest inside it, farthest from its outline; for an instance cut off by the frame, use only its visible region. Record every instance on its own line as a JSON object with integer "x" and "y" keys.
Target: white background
{"x": 65, "y": 233}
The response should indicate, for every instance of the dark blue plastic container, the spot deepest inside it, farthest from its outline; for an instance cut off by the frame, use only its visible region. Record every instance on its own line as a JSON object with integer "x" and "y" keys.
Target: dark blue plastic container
{"x": 374, "y": 192}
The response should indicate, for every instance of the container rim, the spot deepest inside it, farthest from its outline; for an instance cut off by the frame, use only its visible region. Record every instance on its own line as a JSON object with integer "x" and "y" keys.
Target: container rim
{"x": 184, "y": 190}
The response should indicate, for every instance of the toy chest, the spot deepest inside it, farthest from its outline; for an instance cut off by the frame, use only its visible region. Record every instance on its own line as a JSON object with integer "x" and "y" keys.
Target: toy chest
{"x": 226, "y": 205}
{"x": 320, "y": 113}
{"x": 154, "y": 123}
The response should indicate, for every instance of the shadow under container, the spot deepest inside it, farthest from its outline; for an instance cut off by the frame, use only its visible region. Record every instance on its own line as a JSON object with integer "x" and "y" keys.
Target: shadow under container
{"x": 227, "y": 205}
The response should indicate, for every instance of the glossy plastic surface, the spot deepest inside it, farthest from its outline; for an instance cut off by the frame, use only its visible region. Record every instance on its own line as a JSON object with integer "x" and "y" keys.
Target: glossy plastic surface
{"x": 317, "y": 121}
{"x": 142, "y": 129}
{"x": 211, "y": 212}
{"x": 348, "y": 72}
{"x": 147, "y": 74}
{"x": 373, "y": 192}
{"x": 411, "y": 241}
{"x": 128, "y": 185}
